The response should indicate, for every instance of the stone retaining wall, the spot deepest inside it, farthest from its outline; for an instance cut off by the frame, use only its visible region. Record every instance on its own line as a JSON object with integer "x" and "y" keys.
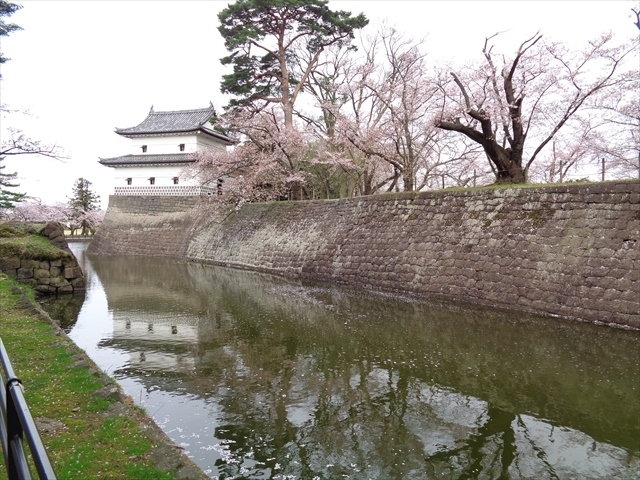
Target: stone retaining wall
{"x": 48, "y": 276}
{"x": 570, "y": 251}
{"x": 155, "y": 226}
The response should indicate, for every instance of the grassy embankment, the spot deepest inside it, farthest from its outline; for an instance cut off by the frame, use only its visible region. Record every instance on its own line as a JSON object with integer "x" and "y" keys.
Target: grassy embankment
{"x": 84, "y": 435}
{"x": 23, "y": 241}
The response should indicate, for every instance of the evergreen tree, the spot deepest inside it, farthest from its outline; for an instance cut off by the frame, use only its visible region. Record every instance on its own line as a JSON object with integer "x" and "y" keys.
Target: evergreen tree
{"x": 6, "y": 10}
{"x": 8, "y": 199}
{"x": 275, "y": 46}
{"x": 82, "y": 201}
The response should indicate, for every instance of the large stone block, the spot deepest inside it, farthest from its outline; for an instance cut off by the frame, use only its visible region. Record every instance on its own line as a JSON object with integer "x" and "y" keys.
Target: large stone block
{"x": 46, "y": 289}
{"x": 52, "y": 228}
{"x": 59, "y": 240}
{"x": 7, "y": 264}
{"x": 72, "y": 272}
{"x": 28, "y": 263}
{"x": 24, "y": 273}
{"x": 41, "y": 273}
{"x": 58, "y": 282}
{"x": 78, "y": 283}
{"x": 69, "y": 262}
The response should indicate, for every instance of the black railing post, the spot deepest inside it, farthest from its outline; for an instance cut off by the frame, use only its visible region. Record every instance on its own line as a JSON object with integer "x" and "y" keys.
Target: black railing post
{"x": 3, "y": 428}
{"x": 16, "y": 424}
{"x": 18, "y": 467}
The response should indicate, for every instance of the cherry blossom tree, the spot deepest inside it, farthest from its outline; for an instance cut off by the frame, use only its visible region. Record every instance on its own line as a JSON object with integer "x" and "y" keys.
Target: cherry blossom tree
{"x": 513, "y": 107}
{"x": 87, "y": 221}
{"x": 618, "y": 139}
{"x": 18, "y": 143}
{"x": 14, "y": 141}
{"x": 606, "y": 132}
{"x": 34, "y": 210}
{"x": 384, "y": 119}
{"x": 262, "y": 167}
{"x": 387, "y": 115}
{"x": 350, "y": 111}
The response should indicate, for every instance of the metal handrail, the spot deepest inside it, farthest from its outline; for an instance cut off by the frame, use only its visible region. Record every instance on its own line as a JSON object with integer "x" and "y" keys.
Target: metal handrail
{"x": 17, "y": 423}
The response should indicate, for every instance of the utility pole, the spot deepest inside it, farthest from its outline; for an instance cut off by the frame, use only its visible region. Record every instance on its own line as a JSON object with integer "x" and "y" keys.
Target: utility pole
{"x": 603, "y": 169}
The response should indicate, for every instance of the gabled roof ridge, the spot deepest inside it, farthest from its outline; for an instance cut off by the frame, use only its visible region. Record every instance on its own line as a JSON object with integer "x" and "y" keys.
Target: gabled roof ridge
{"x": 169, "y": 121}
{"x": 188, "y": 110}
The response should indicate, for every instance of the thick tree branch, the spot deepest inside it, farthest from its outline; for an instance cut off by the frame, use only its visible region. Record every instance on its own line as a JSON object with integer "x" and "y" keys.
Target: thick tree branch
{"x": 472, "y": 133}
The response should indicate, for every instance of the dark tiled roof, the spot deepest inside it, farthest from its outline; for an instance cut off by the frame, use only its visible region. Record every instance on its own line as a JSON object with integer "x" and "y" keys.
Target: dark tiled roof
{"x": 177, "y": 121}
{"x": 148, "y": 159}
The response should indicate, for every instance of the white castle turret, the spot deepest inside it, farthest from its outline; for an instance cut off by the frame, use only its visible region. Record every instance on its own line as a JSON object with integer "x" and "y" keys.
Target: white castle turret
{"x": 162, "y": 145}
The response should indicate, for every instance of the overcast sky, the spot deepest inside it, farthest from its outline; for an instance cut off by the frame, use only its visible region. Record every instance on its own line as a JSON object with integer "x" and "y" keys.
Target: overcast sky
{"x": 81, "y": 69}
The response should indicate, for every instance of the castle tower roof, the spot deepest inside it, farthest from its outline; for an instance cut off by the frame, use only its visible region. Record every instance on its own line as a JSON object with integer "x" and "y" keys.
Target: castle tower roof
{"x": 175, "y": 122}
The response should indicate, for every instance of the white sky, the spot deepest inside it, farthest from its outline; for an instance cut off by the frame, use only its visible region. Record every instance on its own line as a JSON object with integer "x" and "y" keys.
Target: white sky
{"x": 83, "y": 68}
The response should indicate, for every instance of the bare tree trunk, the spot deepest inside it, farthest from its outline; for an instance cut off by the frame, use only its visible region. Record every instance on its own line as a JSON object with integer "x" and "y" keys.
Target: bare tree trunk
{"x": 407, "y": 179}
{"x": 296, "y": 190}
{"x": 509, "y": 170}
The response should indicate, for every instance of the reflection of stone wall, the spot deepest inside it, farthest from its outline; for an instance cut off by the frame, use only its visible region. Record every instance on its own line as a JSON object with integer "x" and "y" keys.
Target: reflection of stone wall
{"x": 567, "y": 250}
{"x": 63, "y": 275}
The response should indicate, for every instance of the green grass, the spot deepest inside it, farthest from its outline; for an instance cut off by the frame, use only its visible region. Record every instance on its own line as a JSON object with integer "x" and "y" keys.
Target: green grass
{"x": 91, "y": 444}
{"x": 23, "y": 240}
{"x": 18, "y": 229}
{"x": 31, "y": 246}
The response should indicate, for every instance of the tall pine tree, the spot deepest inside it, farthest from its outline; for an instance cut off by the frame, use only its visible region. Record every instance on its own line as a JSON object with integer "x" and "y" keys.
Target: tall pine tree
{"x": 82, "y": 201}
{"x": 8, "y": 199}
{"x": 6, "y": 10}
{"x": 274, "y": 47}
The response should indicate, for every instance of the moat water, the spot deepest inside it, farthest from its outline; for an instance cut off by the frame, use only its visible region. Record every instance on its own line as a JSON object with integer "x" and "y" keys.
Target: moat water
{"x": 257, "y": 377}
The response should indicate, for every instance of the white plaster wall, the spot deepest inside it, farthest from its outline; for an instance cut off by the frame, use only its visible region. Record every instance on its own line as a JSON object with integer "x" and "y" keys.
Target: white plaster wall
{"x": 205, "y": 141}
{"x": 140, "y": 175}
{"x": 170, "y": 144}
{"x": 162, "y": 144}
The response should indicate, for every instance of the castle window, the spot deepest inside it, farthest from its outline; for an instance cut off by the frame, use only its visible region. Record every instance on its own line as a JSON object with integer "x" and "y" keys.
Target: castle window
{"x": 175, "y": 180}
{"x": 181, "y": 146}
{"x": 129, "y": 180}
{"x": 152, "y": 181}
{"x": 144, "y": 149}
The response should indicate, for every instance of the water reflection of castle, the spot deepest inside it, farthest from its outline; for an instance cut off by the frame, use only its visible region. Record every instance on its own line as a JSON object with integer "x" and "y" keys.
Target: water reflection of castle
{"x": 156, "y": 341}
{"x": 157, "y": 319}
{"x": 152, "y": 327}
